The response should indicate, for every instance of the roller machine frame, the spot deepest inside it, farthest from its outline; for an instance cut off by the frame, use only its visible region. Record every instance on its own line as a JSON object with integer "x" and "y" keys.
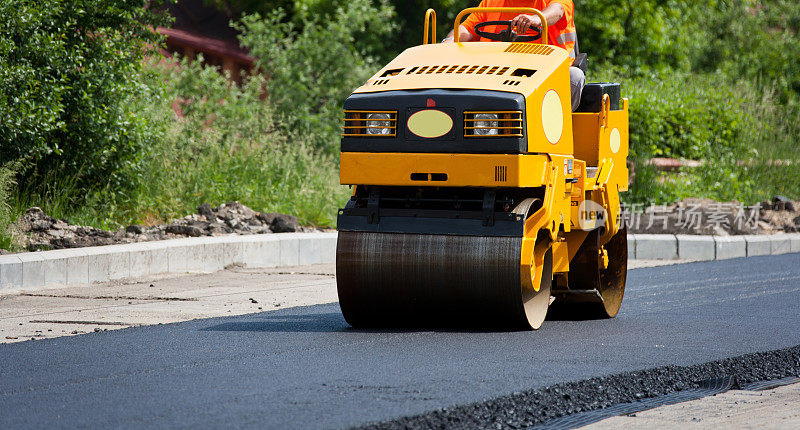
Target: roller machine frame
{"x": 479, "y": 198}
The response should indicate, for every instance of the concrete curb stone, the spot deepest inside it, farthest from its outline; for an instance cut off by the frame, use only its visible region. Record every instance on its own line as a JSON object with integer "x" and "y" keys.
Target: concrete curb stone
{"x": 631, "y": 247}
{"x": 780, "y": 244}
{"x": 698, "y": 248}
{"x": 656, "y": 247}
{"x": 728, "y": 247}
{"x": 209, "y": 254}
{"x": 758, "y": 245}
{"x": 152, "y": 258}
{"x": 794, "y": 239}
{"x": 10, "y": 271}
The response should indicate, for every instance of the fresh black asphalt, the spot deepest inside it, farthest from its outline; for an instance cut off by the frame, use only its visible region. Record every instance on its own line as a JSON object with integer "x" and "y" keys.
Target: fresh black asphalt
{"x": 304, "y": 368}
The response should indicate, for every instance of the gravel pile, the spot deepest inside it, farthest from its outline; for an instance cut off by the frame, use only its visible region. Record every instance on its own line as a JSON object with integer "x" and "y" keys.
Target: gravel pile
{"x": 529, "y": 408}
{"x": 40, "y": 231}
{"x": 707, "y": 217}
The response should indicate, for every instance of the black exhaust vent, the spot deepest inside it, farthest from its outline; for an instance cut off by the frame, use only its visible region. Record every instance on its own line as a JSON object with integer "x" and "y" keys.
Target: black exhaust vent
{"x": 500, "y": 173}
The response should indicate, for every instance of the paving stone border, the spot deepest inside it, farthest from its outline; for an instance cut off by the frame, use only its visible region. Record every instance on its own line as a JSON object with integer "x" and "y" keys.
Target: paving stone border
{"x": 191, "y": 255}
{"x": 209, "y": 254}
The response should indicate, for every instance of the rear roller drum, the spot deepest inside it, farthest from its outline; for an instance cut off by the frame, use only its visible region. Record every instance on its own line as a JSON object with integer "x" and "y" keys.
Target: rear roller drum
{"x": 597, "y": 277}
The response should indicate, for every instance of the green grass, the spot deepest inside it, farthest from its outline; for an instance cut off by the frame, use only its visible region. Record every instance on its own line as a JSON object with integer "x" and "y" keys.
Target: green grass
{"x": 224, "y": 146}
{"x": 746, "y": 139}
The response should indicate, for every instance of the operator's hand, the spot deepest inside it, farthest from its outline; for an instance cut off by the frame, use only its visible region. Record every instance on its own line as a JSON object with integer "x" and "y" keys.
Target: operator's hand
{"x": 526, "y": 22}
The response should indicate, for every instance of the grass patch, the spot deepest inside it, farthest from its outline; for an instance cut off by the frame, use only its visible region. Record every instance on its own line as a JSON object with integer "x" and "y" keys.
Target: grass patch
{"x": 746, "y": 139}
{"x": 219, "y": 143}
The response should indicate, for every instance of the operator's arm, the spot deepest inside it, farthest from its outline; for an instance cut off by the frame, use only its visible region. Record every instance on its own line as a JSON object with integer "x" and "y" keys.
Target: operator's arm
{"x": 552, "y": 14}
{"x": 463, "y": 35}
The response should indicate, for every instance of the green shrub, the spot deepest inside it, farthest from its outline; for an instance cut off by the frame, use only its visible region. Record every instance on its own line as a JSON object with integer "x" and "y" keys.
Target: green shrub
{"x": 226, "y": 145}
{"x": 742, "y": 134}
{"x": 7, "y": 173}
{"x": 757, "y": 40}
{"x": 66, "y": 88}
{"x": 312, "y": 69}
{"x": 686, "y": 115}
{"x": 645, "y": 34}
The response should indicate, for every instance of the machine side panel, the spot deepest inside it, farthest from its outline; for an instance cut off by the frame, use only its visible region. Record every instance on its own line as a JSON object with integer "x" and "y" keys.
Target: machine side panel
{"x": 443, "y": 170}
{"x": 549, "y": 116}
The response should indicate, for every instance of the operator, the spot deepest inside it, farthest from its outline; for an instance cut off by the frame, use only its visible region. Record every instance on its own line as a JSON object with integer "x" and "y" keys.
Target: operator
{"x": 560, "y": 16}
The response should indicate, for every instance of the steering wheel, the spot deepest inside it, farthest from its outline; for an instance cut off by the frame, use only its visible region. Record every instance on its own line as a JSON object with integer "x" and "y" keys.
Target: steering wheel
{"x": 508, "y": 35}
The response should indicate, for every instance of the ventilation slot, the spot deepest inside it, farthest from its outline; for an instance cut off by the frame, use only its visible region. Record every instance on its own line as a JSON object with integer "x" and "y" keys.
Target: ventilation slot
{"x": 512, "y": 83}
{"x": 529, "y": 48}
{"x": 456, "y": 69}
{"x": 389, "y": 73}
{"x": 381, "y": 82}
{"x": 500, "y": 173}
{"x": 525, "y": 73}
{"x": 433, "y": 177}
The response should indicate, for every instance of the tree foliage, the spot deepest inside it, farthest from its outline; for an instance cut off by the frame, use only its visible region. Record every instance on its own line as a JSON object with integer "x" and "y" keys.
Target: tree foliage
{"x": 67, "y": 76}
{"x": 757, "y": 40}
{"x": 312, "y": 68}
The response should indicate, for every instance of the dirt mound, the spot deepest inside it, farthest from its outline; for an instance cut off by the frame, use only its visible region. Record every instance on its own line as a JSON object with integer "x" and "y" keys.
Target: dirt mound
{"x": 707, "y": 217}
{"x": 40, "y": 231}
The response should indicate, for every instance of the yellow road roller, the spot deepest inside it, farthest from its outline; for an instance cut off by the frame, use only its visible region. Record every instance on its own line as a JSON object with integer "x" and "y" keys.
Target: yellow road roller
{"x": 479, "y": 198}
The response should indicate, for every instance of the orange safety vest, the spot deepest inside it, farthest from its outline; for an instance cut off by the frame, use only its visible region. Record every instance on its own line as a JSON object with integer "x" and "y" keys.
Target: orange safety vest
{"x": 562, "y": 34}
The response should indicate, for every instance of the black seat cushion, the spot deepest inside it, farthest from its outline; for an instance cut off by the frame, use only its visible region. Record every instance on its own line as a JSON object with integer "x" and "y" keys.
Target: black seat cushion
{"x": 592, "y": 96}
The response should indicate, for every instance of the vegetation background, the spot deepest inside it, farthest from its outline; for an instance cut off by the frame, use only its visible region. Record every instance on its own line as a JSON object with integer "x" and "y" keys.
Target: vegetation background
{"x": 94, "y": 128}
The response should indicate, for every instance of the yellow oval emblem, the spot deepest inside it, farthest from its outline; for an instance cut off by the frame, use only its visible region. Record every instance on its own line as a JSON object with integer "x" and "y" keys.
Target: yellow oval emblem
{"x": 430, "y": 123}
{"x": 616, "y": 140}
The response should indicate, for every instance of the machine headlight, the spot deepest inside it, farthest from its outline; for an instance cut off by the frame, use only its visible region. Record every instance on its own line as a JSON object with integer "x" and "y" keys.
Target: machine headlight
{"x": 493, "y": 124}
{"x": 379, "y": 123}
{"x": 486, "y": 124}
{"x": 365, "y": 123}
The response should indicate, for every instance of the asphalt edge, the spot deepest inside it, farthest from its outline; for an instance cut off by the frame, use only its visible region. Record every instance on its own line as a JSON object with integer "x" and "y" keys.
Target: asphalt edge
{"x": 533, "y": 409}
{"x": 209, "y": 254}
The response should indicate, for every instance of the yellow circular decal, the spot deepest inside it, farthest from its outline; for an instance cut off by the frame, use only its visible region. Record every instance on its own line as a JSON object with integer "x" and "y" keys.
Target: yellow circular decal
{"x": 552, "y": 116}
{"x": 430, "y": 123}
{"x": 616, "y": 140}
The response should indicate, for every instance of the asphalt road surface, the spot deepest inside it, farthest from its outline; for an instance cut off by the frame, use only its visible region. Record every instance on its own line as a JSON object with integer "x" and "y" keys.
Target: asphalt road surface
{"x": 304, "y": 368}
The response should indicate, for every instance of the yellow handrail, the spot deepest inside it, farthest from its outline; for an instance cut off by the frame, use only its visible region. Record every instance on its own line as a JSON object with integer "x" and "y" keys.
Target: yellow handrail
{"x": 457, "y": 33}
{"x": 430, "y": 15}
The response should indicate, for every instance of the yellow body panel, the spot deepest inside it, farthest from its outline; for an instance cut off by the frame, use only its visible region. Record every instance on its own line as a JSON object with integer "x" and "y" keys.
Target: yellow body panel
{"x": 469, "y": 54}
{"x": 462, "y": 170}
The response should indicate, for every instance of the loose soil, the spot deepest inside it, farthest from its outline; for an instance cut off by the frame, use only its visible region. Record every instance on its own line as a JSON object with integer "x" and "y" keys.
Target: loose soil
{"x": 707, "y": 217}
{"x": 39, "y": 231}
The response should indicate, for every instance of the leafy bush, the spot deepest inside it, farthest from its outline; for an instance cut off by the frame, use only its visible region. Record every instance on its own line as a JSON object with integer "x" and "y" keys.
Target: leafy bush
{"x": 645, "y": 34}
{"x": 686, "y": 115}
{"x": 223, "y": 143}
{"x": 312, "y": 69}
{"x": 743, "y": 136}
{"x": 66, "y": 88}
{"x": 6, "y": 181}
{"x": 758, "y": 40}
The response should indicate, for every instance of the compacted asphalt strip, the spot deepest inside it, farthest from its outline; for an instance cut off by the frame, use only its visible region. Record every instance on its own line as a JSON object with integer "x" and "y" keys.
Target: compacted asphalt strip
{"x": 305, "y": 368}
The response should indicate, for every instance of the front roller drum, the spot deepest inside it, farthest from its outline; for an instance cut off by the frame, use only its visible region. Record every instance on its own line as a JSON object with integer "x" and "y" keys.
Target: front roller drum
{"x": 422, "y": 280}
